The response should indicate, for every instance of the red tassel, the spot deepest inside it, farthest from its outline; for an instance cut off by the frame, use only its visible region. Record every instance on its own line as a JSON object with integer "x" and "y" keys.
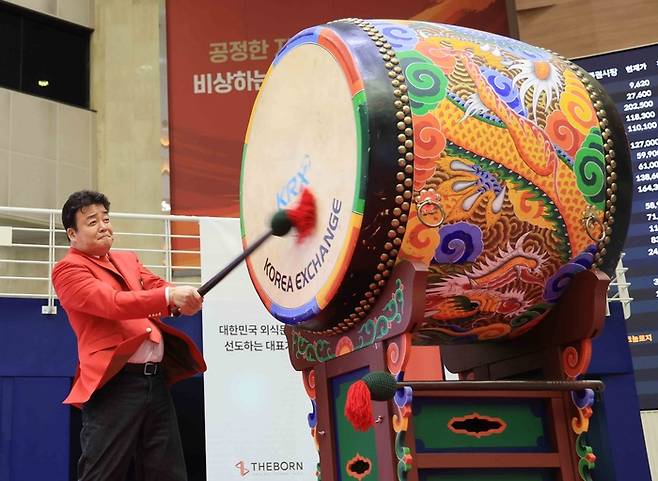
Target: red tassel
{"x": 358, "y": 406}
{"x": 303, "y": 216}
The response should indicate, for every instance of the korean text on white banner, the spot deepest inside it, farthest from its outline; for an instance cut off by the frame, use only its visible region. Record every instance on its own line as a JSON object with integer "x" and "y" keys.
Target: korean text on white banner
{"x": 256, "y": 406}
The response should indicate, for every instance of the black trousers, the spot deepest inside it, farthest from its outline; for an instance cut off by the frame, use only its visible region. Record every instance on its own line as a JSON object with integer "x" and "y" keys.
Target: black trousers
{"x": 131, "y": 417}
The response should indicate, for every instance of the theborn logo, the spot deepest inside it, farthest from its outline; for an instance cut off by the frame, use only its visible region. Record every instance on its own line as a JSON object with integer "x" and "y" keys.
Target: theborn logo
{"x": 294, "y": 185}
{"x": 242, "y": 468}
{"x": 262, "y": 467}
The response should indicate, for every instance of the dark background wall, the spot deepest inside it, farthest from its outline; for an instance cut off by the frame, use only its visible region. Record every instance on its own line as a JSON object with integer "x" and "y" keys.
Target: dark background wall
{"x": 39, "y": 434}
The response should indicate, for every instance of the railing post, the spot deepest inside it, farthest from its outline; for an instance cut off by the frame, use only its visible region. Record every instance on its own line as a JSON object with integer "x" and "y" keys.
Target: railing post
{"x": 621, "y": 284}
{"x": 50, "y": 308}
{"x": 622, "y": 287}
{"x": 168, "y": 267}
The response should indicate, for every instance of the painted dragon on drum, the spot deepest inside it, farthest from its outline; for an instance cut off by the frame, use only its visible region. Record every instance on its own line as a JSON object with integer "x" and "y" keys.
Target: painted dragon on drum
{"x": 508, "y": 143}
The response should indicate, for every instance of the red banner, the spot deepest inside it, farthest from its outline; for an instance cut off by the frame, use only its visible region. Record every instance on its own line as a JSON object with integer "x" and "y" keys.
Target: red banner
{"x": 218, "y": 53}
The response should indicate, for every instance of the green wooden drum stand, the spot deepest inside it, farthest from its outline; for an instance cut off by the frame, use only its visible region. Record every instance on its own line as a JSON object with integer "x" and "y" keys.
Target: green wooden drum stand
{"x": 498, "y": 423}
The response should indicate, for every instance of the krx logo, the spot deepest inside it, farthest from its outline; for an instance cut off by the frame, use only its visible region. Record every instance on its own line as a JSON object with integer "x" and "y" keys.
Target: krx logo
{"x": 294, "y": 186}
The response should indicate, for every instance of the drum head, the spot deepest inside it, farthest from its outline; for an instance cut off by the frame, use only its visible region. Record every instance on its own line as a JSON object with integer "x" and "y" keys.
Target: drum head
{"x": 303, "y": 133}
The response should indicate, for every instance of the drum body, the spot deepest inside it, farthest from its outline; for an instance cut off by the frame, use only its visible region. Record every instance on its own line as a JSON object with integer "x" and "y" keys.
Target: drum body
{"x": 501, "y": 166}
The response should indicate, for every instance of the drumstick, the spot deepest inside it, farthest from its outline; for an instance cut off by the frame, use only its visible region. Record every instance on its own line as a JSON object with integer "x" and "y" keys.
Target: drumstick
{"x": 382, "y": 386}
{"x": 302, "y": 218}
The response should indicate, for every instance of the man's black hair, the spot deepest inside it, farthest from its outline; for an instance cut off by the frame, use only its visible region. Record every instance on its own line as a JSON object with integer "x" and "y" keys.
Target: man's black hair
{"x": 79, "y": 200}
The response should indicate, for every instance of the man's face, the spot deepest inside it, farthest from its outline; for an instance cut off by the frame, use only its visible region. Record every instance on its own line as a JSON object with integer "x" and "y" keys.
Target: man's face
{"x": 94, "y": 230}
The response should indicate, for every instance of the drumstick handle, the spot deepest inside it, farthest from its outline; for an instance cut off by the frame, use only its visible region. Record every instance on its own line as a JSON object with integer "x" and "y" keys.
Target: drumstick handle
{"x": 203, "y": 290}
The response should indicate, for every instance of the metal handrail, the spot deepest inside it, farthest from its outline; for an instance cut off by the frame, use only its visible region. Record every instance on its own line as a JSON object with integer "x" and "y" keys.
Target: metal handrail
{"x": 618, "y": 291}
{"x": 37, "y": 231}
{"x": 115, "y": 215}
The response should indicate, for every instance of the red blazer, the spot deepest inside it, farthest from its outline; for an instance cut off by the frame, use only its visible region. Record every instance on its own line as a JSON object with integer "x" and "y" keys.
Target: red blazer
{"x": 112, "y": 311}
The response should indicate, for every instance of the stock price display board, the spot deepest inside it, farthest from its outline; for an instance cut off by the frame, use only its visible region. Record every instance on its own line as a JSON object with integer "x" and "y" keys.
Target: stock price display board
{"x": 631, "y": 79}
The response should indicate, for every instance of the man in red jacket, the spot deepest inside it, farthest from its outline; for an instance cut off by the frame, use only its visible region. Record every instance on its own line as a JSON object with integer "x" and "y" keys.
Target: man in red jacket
{"x": 128, "y": 356}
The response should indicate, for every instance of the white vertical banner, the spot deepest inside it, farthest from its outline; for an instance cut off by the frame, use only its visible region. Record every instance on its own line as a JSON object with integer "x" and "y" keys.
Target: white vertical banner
{"x": 255, "y": 403}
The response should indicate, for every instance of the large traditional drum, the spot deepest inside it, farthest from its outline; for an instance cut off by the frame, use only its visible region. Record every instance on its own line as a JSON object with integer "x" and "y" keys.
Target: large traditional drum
{"x": 501, "y": 166}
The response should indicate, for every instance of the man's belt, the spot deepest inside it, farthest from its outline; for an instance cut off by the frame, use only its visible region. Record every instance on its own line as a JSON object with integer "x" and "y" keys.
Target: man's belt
{"x": 147, "y": 369}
